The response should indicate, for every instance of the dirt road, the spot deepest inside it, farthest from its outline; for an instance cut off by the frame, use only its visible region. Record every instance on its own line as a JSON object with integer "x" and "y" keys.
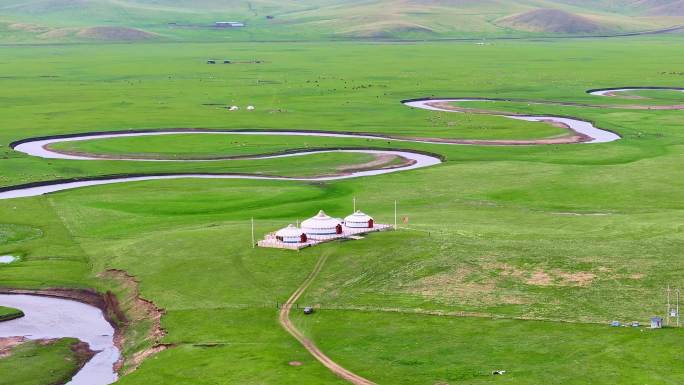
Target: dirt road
{"x": 284, "y": 319}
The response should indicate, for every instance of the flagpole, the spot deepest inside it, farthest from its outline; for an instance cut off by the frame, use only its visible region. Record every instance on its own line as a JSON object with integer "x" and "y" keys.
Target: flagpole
{"x": 354, "y": 205}
{"x": 253, "y": 244}
{"x": 395, "y": 215}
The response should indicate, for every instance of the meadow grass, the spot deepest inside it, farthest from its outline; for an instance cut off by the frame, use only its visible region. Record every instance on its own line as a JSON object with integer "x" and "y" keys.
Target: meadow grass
{"x": 420, "y": 349}
{"x": 582, "y": 234}
{"x": 36, "y": 363}
{"x": 8, "y": 313}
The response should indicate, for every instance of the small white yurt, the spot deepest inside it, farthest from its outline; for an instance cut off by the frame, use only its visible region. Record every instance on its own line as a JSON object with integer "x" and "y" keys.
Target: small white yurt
{"x": 233, "y": 108}
{"x": 321, "y": 226}
{"x": 291, "y": 234}
{"x": 359, "y": 220}
{"x": 250, "y": 108}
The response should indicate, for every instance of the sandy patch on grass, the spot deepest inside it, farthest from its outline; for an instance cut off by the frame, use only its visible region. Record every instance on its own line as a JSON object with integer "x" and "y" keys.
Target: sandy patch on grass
{"x": 378, "y": 161}
{"x": 6, "y": 345}
{"x": 464, "y": 284}
{"x": 541, "y": 277}
{"x": 580, "y": 278}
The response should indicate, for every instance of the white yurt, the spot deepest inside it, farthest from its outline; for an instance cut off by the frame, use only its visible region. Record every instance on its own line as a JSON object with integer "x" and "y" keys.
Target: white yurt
{"x": 250, "y": 108}
{"x": 359, "y": 220}
{"x": 233, "y": 108}
{"x": 321, "y": 226}
{"x": 291, "y": 234}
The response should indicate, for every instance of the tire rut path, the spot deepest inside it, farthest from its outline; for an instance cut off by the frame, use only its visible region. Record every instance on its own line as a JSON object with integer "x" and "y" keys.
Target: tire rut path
{"x": 286, "y": 323}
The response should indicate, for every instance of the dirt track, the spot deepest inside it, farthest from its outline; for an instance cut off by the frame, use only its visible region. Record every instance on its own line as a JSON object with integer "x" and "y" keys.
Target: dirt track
{"x": 284, "y": 319}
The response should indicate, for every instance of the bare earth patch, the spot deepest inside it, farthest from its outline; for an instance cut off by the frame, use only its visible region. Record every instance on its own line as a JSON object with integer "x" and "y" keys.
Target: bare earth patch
{"x": 379, "y": 161}
{"x": 7, "y": 343}
{"x": 138, "y": 309}
{"x": 464, "y": 284}
{"x": 541, "y": 277}
{"x": 581, "y": 278}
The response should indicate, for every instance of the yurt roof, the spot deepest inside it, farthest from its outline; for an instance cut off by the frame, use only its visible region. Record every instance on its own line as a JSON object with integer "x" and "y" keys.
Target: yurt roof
{"x": 320, "y": 221}
{"x": 358, "y": 216}
{"x": 289, "y": 231}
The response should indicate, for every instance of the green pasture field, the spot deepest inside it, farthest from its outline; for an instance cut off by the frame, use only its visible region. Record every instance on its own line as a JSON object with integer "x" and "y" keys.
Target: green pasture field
{"x": 549, "y": 243}
{"x": 442, "y": 350}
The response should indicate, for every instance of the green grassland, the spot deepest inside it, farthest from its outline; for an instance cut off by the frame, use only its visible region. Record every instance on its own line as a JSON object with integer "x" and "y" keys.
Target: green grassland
{"x": 442, "y": 350}
{"x": 548, "y": 243}
{"x": 40, "y": 363}
{"x": 8, "y": 313}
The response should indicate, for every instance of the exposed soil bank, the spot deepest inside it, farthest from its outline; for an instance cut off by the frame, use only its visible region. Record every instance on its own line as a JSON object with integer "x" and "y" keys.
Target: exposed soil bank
{"x": 138, "y": 309}
{"x": 119, "y": 314}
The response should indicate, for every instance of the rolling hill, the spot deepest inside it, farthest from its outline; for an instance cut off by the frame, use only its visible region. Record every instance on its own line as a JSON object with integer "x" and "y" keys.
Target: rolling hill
{"x": 51, "y": 20}
{"x": 553, "y": 21}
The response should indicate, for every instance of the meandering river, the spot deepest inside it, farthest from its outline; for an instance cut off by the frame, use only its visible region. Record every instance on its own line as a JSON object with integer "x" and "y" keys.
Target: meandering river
{"x": 47, "y": 317}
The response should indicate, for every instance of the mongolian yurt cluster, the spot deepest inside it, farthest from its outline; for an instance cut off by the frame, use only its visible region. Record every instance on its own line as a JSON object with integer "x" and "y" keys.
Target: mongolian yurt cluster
{"x": 322, "y": 228}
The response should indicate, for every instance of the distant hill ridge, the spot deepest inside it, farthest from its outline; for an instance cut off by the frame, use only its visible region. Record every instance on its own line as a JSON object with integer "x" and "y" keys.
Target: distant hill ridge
{"x": 553, "y": 21}
{"x": 132, "y": 20}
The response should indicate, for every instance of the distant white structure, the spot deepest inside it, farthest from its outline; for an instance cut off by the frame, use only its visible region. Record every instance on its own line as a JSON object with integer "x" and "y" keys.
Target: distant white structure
{"x": 228, "y": 24}
{"x": 656, "y": 322}
{"x": 250, "y": 108}
{"x": 322, "y": 226}
{"x": 359, "y": 220}
{"x": 233, "y": 108}
{"x": 291, "y": 234}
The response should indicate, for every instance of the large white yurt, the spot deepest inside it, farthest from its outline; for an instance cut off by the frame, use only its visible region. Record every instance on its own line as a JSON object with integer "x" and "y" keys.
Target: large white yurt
{"x": 321, "y": 226}
{"x": 359, "y": 220}
{"x": 291, "y": 234}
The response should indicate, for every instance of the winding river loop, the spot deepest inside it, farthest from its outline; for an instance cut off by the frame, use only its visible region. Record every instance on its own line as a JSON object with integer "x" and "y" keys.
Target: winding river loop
{"x": 39, "y": 147}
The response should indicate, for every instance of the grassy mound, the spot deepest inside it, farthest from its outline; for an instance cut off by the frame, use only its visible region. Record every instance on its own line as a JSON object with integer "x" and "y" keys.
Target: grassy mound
{"x": 58, "y": 361}
{"x": 552, "y": 21}
{"x": 8, "y": 313}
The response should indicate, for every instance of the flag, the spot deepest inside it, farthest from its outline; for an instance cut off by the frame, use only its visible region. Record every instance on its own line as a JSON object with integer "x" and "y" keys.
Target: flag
{"x": 405, "y": 219}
